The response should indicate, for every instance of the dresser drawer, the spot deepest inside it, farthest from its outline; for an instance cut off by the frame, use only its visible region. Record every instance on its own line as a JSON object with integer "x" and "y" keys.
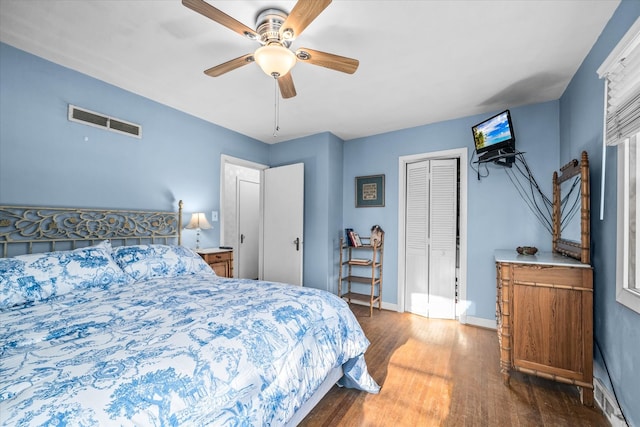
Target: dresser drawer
{"x": 544, "y": 275}
{"x": 220, "y": 261}
{"x": 217, "y": 257}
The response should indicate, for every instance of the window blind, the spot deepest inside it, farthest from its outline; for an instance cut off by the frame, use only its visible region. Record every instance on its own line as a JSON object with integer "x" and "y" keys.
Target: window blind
{"x": 621, "y": 70}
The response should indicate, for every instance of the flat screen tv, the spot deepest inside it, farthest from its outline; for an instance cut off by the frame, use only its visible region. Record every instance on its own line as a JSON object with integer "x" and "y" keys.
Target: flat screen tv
{"x": 494, "y": 134}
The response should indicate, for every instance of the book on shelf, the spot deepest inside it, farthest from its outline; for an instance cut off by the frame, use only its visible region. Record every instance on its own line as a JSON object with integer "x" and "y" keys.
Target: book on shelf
{"x": 347, "y": 236}
{"x": 356, "y": 239}
{"x": 352, "y": 238}
{"x": 360, "y": 261}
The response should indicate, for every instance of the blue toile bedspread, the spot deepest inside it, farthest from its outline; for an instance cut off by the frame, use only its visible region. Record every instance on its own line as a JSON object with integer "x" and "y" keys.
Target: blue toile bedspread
{"x": 188, "y": 350}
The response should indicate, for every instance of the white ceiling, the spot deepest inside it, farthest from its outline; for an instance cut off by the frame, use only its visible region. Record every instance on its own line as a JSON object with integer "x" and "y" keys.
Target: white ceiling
{"x": 420, "y": 61}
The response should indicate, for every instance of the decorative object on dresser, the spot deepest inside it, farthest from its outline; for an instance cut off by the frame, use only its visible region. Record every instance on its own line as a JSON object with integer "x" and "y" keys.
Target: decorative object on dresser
{"x": 544, "y": 305}
{"x": 572, "y": 233}
{"x": 527, "y": 250}
{"x": 198, "y": 222}
{"x": 220, "y": 260}
{"x": 362, "y": 271}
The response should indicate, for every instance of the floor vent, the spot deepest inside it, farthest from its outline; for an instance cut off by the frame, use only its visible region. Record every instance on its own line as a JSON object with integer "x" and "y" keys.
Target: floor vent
{"x": 608, "y": 405}
{"x": 91, "y": 118}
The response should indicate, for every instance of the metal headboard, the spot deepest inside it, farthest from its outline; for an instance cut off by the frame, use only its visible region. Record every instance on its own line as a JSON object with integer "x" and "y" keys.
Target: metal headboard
{"x": 42, "y": 229}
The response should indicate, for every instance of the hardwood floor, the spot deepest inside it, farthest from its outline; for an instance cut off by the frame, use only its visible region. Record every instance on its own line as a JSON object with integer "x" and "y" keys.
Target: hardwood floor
{"x": 442, "y": 373}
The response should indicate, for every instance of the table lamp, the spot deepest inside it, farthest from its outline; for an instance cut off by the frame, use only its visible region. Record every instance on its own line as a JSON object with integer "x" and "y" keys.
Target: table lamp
{"x": 198, "y": 222}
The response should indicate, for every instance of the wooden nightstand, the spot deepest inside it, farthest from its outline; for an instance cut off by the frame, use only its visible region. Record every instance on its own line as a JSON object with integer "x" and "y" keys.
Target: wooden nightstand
{"x": 221, "y": 260}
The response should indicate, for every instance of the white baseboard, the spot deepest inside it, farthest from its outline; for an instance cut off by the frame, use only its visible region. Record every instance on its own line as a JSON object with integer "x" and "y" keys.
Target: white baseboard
{"x": 385, "y": 305}
{"x": 467, "y": 320}
{"x": 479, "y": 321}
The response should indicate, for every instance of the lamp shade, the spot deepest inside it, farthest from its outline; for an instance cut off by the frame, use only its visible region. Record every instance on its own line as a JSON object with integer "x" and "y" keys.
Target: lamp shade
{"x": 275, "y": 60}
{"x": 198, "y": 221}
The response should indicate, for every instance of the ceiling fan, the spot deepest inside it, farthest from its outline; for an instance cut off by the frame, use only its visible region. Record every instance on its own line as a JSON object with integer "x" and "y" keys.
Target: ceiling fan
{"x": 275, "y": 30}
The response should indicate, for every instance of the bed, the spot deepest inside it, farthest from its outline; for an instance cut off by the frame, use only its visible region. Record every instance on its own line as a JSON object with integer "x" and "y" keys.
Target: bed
{"x": 122, "y": 326}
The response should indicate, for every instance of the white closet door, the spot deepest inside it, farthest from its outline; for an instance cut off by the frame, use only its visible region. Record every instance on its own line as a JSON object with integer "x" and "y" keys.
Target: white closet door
{"x": 442, "y": 232}
{"x": 417, "y": 238}
{"x": 431, "y": 238}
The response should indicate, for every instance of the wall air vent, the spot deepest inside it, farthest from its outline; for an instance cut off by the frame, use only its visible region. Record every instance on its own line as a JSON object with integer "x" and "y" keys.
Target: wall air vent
{"x": 608, "y": 404}
{"x": 91, "y": 118}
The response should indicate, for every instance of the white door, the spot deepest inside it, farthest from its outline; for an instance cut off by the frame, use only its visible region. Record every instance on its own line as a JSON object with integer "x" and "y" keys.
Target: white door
{"x": 417, "y": 245}
{"x": 283, "y": 224}
{"x": 248, "y": 229}
{"x": 442, "y": 241}
{"x": 431, "y": 220}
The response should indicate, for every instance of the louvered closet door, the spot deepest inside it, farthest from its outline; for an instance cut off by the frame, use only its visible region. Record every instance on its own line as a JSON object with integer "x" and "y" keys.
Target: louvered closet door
{"x": 416, "y": 251}
{"x": 431, "y": 238}
{"x": 442, "y": 231}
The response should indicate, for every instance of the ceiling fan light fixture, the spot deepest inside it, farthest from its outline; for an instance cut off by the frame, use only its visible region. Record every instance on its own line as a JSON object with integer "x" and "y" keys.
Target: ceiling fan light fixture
{"x": 275, "y": 60}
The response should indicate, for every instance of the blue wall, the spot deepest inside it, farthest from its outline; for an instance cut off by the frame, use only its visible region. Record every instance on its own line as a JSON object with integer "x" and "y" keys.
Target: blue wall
{"x": 617, "y": 328}
{"x": 497, "y": 217}
{"x": 45, "y": 159}
{"x": 112, "y": 170}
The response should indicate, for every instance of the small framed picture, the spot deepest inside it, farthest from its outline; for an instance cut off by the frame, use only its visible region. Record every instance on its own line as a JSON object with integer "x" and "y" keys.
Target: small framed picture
{"x": 370, "y": 191}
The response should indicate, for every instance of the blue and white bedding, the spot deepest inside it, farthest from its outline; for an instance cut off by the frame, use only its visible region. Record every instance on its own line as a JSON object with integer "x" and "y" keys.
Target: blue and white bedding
{"x": 179, "y": 346}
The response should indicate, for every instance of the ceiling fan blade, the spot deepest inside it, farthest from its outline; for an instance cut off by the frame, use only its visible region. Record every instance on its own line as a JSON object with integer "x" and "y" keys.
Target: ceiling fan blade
{"x": 219, "y": 70}
{"x": 287, "y": 89}
{"x": 302, "y": 14}
{"x": 220, "y": 17}
{"x": 328, "y": 60}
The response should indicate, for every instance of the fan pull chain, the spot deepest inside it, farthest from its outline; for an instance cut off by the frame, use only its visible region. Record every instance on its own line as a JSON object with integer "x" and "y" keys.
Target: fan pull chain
{"x": 276, "y": 118}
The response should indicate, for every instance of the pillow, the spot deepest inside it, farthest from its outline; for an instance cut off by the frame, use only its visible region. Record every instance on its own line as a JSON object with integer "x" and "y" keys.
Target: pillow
{"x": 149, "y": 261}
{"x": 34, "y": 277}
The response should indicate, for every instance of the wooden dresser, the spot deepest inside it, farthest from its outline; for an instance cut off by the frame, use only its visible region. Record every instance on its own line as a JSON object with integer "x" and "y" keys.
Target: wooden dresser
{"x": 544, "y": 311}
{"x": 221, "y": 260}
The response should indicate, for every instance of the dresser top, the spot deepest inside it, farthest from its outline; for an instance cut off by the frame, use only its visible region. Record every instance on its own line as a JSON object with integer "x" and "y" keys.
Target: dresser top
{"x": 212, "y": 250}
{"x": 546, "y": 258}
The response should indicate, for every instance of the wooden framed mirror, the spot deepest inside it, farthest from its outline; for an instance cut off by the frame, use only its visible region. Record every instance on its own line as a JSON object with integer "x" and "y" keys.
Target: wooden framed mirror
{"x": 571, "y": 210}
